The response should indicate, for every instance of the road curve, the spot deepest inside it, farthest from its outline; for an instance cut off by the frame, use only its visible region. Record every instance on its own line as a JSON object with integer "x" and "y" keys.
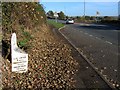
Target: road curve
{"x": 99, "y": 44}
{"x": 86, "y": 77}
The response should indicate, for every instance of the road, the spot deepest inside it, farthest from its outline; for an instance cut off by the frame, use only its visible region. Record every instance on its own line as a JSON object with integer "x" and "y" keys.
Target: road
{"x": 99, "y": 43}
{"x": 86, "y": 77}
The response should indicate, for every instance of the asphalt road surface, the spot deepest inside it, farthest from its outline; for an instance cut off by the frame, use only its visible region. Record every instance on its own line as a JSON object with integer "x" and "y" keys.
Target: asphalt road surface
{"x": 100, "y": 45}
{"x": 86, "y": 77}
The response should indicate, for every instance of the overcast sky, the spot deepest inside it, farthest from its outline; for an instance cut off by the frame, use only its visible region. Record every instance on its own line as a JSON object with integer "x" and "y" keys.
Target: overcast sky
{"x": 77, "y": 8}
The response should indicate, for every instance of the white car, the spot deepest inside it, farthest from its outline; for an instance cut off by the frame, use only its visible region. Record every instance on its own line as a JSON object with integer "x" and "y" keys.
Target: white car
{"x": 70, "y": 21}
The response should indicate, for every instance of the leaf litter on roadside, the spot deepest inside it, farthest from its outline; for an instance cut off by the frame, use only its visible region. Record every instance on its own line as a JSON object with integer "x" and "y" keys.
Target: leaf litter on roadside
{"x": 50, "y": 65}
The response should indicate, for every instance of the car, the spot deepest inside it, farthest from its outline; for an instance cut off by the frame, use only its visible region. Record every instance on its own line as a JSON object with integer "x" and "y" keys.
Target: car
{"x": 69, "y": 21}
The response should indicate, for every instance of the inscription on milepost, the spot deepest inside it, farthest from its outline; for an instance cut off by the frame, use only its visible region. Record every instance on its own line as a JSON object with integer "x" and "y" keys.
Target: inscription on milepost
{"x": 19, "y": 57}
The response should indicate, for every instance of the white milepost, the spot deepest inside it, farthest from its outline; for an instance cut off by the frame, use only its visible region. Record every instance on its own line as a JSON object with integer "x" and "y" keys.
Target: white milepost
{"x": 19, "y": 57}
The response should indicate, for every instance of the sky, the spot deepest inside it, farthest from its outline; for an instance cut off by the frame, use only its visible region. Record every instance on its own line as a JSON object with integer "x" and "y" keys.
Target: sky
{"x": 79, "y": 0}
{"x": 77, "y": 8}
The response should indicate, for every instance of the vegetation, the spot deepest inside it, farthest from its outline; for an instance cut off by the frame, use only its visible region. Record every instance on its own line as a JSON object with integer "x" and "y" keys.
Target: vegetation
{"x": 87, "y": 19}
{"x": 94, "y": 19}
{"x": 61, "y": 15}
{"x": 50, "y": 14}
{"x": 110, "y": 20}
{"x": 50, "y": 64}
{"x": 55, "y": 24}
{"x": 21, "y": 18}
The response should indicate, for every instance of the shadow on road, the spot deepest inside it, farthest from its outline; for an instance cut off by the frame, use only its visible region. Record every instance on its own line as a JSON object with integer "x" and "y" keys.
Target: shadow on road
{"x": 100, "y": 27}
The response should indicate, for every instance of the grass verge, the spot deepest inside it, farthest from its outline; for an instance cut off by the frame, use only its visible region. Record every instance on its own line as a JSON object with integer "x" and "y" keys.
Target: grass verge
{"x": 55, "y": 24}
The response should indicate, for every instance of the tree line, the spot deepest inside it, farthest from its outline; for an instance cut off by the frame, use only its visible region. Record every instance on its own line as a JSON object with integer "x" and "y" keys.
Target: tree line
{"x": 61, "y": 15}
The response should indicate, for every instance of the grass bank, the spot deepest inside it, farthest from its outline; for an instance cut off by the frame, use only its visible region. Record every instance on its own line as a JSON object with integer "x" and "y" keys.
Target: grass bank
{"x": 50, "y": 64}
{"x": 55, "y": 24}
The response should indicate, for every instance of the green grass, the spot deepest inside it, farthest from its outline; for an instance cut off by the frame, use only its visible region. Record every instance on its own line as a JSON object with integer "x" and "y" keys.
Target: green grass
{"x": 55, "y": 24}
{"x": 23, "y": 43}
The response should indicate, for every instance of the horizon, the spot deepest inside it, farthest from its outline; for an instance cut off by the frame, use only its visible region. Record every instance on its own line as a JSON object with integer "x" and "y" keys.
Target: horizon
{"x": 77, "y": 8}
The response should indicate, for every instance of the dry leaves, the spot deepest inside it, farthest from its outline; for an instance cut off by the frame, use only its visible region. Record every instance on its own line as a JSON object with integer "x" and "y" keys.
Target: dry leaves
{"x": 50, "y": 65}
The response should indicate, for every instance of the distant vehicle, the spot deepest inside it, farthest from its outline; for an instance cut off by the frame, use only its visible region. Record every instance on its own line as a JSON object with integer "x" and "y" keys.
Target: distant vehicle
{"x": 69, "y": 21}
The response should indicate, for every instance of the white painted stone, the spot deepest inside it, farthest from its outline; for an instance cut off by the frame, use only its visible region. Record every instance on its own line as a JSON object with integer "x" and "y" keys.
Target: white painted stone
{"x": 19, "y": 57}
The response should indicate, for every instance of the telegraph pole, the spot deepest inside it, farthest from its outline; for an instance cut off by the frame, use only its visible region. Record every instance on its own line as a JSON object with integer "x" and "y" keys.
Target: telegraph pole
{"x": 84, "y": 8}
{"x": 65, "y": 11}
{"x": 84, "y": 11}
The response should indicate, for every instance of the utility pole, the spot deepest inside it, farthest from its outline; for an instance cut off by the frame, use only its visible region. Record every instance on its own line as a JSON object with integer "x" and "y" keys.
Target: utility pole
{"x": 84, "y": 11}
{"x": 65, "y": 11}
{"x": 84, "y": 8}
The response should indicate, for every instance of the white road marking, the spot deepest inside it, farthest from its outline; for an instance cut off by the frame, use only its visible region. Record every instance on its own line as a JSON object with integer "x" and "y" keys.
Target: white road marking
{"x": 97, "y": 38}
{"x": 116, "y": 30}
{"x": 108, "y": 42}
{"x": 86, "y": 33}
{"x": 90, "y": 35}
{"x": 105, "y": 41}
{"x": 103, "y": 56}
{"x": 115, "y": 70}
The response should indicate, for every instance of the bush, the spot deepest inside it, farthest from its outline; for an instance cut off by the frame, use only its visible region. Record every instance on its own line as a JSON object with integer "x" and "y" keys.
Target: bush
{"x": 21, "y": 18}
